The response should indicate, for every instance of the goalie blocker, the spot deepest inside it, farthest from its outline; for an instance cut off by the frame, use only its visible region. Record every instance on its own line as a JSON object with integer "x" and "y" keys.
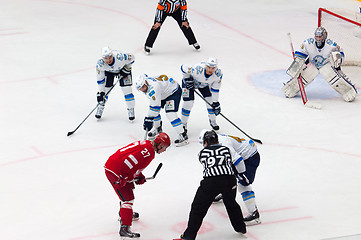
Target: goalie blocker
{"x": 331, "y": 72}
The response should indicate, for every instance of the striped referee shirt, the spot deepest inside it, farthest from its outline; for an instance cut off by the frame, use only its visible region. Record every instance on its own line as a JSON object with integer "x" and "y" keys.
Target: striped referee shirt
{"x": 169, "y": 7}
{"x": 216, "y": 161}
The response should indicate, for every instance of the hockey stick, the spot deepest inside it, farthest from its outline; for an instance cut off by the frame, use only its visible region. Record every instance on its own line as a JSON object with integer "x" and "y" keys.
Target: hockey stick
{"x": 254, "y": 139}
{"x": 70, "y": 133}
{"x": 305, "y": 101}
{"x": 154, "y": 175}
{"x": 146, "y": 135}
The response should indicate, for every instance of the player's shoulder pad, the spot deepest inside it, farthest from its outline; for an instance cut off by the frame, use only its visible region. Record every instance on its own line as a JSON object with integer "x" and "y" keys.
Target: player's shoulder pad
{"x": 185, "y": 68}
{"x": 100, "y": 63}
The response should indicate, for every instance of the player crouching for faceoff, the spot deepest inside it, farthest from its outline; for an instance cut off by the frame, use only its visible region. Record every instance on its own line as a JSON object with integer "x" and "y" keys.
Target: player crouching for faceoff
{"x": 163, "y": 92}
{"x": 218, "y": 177}
{"x": 319, "y": 55}
{"x": 125, "y": 167}
{"x": 207, "y": 78}
{"x": 113, "y": 64}
{"x": 245, "y": 160}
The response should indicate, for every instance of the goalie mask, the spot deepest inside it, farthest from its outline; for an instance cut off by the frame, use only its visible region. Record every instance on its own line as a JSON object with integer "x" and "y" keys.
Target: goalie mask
{"x": 320, "y": 37}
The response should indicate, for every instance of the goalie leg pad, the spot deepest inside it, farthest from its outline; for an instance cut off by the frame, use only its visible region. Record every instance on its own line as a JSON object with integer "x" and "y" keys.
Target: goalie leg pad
{"x": 339, "y": 82}
{"x": 291, "y": 88}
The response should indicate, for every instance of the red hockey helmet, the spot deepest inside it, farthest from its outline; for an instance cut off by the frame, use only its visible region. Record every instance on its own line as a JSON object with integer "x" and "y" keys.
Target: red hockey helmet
{"x": 162, "y": 138}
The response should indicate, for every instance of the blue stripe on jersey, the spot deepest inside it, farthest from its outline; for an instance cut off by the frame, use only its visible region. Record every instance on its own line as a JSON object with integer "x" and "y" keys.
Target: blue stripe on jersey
{"x": 238, "y": 161}
{"x": 300, "y": 55}
{"x": 214, "y": 90}
{"x": 101, "y": 81}
{"x": 129, "y": 97}
{"x": 155, "y": 108}
{"x": 185, "y": 112}
{"x": 176, "y": 122}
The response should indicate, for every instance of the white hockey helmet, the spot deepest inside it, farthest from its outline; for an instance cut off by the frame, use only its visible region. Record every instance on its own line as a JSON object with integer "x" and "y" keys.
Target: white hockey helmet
{"x": 212, "y": 62}
{"x": 106, "y": 52}
{"x": 320, "y": 32}
{"x": 140, "y": 81}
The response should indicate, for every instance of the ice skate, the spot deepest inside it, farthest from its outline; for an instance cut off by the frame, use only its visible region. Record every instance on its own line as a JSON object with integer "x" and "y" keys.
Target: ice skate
{"x": 252, "y": 218}
{"x": 155, "y": 131}
{"x": 126, "y": 233}
{"x": 182, "y": 140}
{"x": 214, "y": 125}
{"x": 131, "y": 114}
{"x": 99, "y": 112}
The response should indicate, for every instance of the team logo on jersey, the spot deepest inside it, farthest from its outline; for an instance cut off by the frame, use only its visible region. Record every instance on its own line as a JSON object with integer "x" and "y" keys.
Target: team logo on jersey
{"x": 169, "y": 105}
{"x": 185, "y": 93}
{"x": 318, "y": 61}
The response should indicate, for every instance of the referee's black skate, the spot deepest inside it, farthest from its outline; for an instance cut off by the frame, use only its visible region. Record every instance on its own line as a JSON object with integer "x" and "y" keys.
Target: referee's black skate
{"x": 125, "y": 232}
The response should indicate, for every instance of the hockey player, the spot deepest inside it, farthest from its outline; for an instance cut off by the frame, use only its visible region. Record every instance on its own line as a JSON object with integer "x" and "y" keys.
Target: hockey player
{"x": 319, "y": 55}
{"x": 113, "y": 64}
{"x": 176, "y": 9}
{"x": 125, "y": 167}
{"x": 163, "y": 92}
{"x": 218, "y": 177}
{"x": 246, "y": 162}
{"x": 207, "y": 78}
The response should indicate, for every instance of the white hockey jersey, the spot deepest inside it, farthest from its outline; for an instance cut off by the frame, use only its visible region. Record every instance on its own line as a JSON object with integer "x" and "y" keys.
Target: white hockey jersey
{"x": 120, "y": 60}
{"x": 318, "y": 57}
{"x": 245, "y": 147}
{"x": 159, "y": 88}
{"x": 201, "y": 80}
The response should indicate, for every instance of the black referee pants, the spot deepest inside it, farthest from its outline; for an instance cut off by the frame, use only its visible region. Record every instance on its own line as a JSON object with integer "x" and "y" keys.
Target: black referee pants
{"x": 209, "y": 188}
{"x": 188, "y": 33}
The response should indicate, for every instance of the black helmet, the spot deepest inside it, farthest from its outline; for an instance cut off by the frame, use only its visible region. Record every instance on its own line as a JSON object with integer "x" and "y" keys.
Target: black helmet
{"x": 210, "y": 137}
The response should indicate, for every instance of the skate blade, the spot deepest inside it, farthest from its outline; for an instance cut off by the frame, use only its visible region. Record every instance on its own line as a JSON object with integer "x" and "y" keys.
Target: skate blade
{"x": 182, "y": 143}
{"x": 253, "y": 222}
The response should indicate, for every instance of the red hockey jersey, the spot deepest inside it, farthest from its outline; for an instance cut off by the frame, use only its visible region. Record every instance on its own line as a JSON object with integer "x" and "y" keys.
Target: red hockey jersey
{"x": 129, "y": 161}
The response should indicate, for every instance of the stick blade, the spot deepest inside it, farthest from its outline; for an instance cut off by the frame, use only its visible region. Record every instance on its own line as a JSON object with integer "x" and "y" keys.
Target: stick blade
{"x": 70, "y": 133}
{"x": 313, "y": 105}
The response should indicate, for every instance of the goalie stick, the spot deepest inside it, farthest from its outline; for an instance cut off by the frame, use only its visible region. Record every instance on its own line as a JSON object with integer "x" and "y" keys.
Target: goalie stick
{"x": 70, "y": 133}
{"x": 254, "y": 139}
{"x": 154, "y": 175}
{"x": 305, "y": 101}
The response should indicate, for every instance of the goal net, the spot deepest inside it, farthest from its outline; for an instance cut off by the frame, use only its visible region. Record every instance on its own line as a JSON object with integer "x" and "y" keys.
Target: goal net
{"x": 343, "y": 27}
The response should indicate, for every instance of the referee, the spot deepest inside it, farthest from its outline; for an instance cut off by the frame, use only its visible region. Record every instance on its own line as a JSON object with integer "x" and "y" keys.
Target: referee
{"x": 218, "y": 177}
{"x": 176, "y": 9}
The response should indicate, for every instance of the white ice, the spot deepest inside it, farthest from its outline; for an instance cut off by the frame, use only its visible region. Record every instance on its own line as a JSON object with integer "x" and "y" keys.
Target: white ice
{"x": 308, "y": 185}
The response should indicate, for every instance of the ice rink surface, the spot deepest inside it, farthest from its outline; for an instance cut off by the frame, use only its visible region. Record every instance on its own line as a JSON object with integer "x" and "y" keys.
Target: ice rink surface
{"x": 54, "y": 187}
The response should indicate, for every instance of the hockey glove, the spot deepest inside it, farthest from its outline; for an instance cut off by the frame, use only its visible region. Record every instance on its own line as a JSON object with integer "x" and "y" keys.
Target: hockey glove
{"x": 124, "y": 72}
{"x": 189, "y": 83}
{"x": 148, "y": 123}
{"x": 242, "y": 179}
{"x": 216, "y": 108}
{"x": 121, "y": 182}
{"x": 101, "y": 97}
{"x": 140, "y": 179}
